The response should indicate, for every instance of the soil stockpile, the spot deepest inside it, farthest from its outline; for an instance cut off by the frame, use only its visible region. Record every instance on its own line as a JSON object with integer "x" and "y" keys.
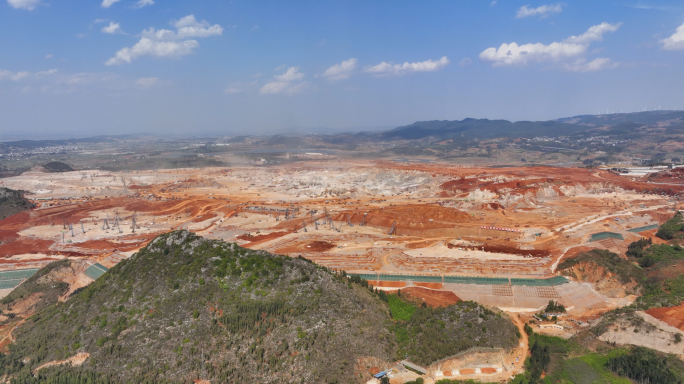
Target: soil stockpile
{"x": 432, "y": 297}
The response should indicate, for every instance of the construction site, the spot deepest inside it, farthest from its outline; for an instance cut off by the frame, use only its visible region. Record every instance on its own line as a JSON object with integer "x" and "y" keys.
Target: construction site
{"x": 491, "y": 235}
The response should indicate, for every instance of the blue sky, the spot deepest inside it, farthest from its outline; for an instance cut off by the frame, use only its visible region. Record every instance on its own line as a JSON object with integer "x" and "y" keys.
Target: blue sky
{"x": 192, "y": 67}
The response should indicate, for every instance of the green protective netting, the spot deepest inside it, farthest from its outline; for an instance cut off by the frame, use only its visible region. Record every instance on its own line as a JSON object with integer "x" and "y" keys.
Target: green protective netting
{"x": 93, "y": 272}
{"x": 6, "y": 284}
{"x": 424, "y": 279}
{"x": 102, "y": 267}
{"x": 557, "y": 280}
{"x": 19, "y": 274}
{"x": 365, "y": 276}
{"x": 605, "y": 235}
{"x": 476, "y": 280}
{"x": 645, "y": 228}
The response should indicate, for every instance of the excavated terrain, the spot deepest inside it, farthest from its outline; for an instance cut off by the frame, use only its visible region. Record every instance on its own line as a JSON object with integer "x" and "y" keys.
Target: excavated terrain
{"x": 440, "y": 233}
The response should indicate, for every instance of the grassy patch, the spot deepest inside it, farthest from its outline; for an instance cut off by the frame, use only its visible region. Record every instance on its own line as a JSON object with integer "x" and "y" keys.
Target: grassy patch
{"x": 671, "y": 229}
{"x": 401, "y": 310}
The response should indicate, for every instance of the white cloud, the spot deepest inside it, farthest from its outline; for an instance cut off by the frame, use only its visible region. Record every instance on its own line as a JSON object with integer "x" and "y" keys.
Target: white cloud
{"x": 289, "y": 83}
{"x": 163, "y": 42}
{"x": 23, "y": 4}
{"x": 594, "y": 33}
{"x": 341, "y": 71}
{"x": 147, "y": 82}
{"x": 46, "y": 73}
{"x": 149, "y": 47}
{"x": 542, "y": 11}
{"x": 676, "y": 41}
{"x": 24, "y": 75}
{"x": 143, "y": 3}
{"x": 112, "y": 28}
{"x": 274, "y": 87}
{"x": 52, "y": 81}
{"x": 571, "y": 48}
{"x": 239, "y": 87}
{"x": 386, "y": 69}
{"x": 465, "y": 62}
{"x": 108, "y": 3}
{"x": 186, "y": 27}
{"x": 48, "y": 56}
{"x": 493, "y": 3}
{"x": 292, "y": 74}
{"x": 581, "y": 65}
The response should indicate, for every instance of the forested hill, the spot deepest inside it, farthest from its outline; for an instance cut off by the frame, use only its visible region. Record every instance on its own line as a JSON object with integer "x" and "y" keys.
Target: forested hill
{"x": 184, "y": 303}
{"x": 481, "y": 128}
{"x": 490, "y": 129}
{"x": 185, "y": 307}
{"x": 12, "y": 202}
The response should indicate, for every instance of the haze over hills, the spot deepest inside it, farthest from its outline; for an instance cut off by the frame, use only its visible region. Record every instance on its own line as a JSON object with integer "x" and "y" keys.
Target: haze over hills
{"x": 468, "y": 128}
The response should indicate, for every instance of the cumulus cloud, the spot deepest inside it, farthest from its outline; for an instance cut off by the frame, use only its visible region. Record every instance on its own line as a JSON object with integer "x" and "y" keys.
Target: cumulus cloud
{"x": 290, "y": 82}
{"x": 150, "y": 47}
{"x": 542, "y": 11}
{"x": 186, "y": 27}
{"x": 676, "y": 41}
{"x": 108, "y": 3}
{"x": 147, "y": 82}
{"x": 23, "y": 4}
{"x": 112, "y": 28}
{"x": 167, "y": 43}
{"x": 292, "y": 74}
{"x": 388, "y": 69}
{"x": 571, "y": 48}
{"x": 341, "y": 71}
{"x": 143, "y": 3}
{"x": 594, "y": 33}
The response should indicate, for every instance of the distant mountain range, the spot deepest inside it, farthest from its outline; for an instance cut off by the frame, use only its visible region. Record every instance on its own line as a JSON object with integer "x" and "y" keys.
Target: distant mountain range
{"x": 489, "y": 129}
{"x": 617, "y": 123}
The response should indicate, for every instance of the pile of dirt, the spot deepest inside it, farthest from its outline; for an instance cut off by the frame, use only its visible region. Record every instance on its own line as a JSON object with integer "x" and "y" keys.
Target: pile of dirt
{"x": 503, "y": 249}
{"x": 258, "y": 239}
{"x": 410, "y": 220}
{"x": 319, "y": 246}
{"x": 673, "y": 316}
{"x": 431, "y": 297}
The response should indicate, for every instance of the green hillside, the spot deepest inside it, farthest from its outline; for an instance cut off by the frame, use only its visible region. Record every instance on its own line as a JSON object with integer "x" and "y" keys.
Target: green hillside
{"x": 185, "y": 307}
{"x": 12, "y": 202}
{"x": 252, "y": 316}
{"x": 481, "y": 128}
